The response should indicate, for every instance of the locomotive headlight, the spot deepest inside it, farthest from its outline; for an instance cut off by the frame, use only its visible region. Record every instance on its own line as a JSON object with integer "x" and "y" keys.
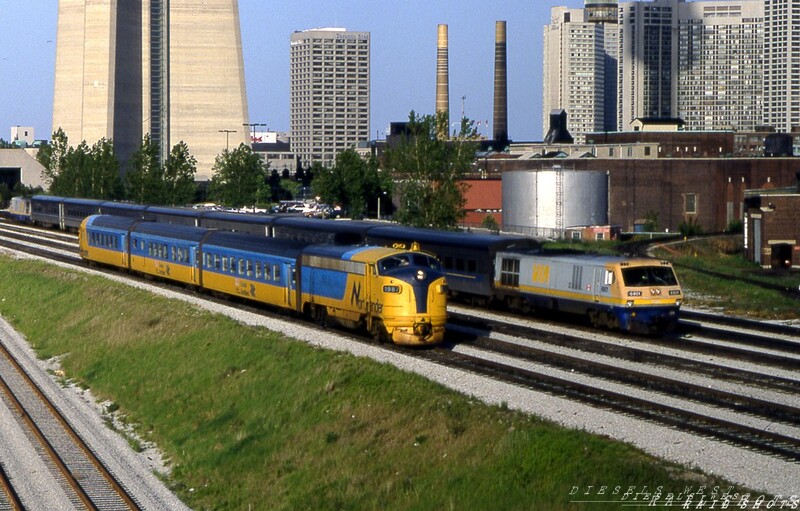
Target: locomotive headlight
{"x": 677, "y": 303}
{"x": 391, "y": 289}
{"x": 655, "y": 292}
{"x": 420, "y": 274}
{"x": 629, "y": 303}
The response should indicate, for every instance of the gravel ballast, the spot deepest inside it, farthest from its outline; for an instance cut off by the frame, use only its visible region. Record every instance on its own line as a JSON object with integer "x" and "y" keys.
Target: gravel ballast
{"x": 753, "y": 470}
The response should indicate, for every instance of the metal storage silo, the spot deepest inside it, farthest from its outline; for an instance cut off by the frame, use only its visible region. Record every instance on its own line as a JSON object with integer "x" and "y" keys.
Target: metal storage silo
{"x": 543, "y": 202}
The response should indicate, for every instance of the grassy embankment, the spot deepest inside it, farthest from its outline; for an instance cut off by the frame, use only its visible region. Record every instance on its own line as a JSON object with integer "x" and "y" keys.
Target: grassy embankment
{"x": 694, "y": 260}
{"x": 251, "y": 420}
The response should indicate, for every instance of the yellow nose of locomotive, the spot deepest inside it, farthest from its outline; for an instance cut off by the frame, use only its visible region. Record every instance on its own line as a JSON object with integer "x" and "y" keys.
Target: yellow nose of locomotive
{"x": 418, "y": 314}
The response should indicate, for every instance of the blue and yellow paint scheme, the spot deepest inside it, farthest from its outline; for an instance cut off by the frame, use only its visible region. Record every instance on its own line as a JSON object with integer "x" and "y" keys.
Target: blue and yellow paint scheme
{"x": 251, "y": 267}
{"x": 631, "y": 294}
{"x": 397, "y": 295}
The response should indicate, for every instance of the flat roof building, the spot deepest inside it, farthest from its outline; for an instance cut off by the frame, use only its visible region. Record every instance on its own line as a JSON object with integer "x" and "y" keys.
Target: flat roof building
{"x": 580, "y": 69}
{"x": 330, "y": 92}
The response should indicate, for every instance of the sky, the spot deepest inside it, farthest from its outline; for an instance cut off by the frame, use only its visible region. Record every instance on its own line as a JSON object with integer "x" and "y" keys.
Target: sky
{"x": 403, "y": 58}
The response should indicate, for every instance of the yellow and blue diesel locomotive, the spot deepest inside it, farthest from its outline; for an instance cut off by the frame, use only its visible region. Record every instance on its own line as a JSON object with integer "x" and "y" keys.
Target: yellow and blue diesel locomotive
{"x": 397, "y": 295}
{"x": 637, "y": 295}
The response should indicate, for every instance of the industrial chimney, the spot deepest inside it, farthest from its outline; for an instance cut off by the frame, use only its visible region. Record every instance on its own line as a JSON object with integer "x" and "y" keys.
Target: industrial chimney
{"x": 443, "y": 80}
{"x": 500, "y": 117}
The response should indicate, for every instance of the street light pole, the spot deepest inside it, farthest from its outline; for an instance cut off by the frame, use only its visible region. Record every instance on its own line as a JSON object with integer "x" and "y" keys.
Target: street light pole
{"x": 227, "y": 137}
{"x": 252, "y": 126}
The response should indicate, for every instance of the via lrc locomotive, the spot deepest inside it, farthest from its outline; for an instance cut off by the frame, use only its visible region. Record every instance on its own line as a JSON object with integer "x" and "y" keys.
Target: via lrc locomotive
{"x": 399, "y": 296}
{"x": 632, "y": 294}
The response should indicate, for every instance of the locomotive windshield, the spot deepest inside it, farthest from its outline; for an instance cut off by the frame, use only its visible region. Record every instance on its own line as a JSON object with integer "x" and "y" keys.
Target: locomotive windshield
{"x": 641, "y": 276}
{"x": 408, "y": 259}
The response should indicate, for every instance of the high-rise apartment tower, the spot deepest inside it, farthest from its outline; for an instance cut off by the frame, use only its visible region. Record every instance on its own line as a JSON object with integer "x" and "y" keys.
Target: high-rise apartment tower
{"x": 579, "y": 58}
{"x": 172, "y": 69}
{"x": 697, "y": 61}
{"x": 330, "y": 92}
{"x": 782, "y": 64}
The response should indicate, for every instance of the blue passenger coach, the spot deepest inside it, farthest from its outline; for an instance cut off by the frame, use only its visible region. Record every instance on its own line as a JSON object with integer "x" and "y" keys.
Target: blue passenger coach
{"x": 397, "y": 295}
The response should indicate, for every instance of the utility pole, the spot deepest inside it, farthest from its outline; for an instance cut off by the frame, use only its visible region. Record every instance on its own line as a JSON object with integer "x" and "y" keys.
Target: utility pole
{"x": 252, "y": 126}
{"x": 227, "y": 136}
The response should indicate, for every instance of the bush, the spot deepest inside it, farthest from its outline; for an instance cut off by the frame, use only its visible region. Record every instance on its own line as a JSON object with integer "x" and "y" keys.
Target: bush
{"x": 735, "y": 227}
{"x": 690, "y": 227}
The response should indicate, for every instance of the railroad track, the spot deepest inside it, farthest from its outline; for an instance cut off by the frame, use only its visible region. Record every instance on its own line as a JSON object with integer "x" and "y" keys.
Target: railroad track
{"x": 9, "y": 499}
{"x": 82, "y": 476}
{"x": 624, "y": 378}
{"x": 624, "y": 373}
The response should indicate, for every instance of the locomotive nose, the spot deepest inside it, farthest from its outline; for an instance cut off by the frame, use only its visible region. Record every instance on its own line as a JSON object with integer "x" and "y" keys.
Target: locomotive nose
{"x": 423, "y": 329}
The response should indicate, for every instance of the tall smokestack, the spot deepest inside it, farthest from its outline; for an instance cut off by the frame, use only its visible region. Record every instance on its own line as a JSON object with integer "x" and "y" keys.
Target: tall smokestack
{"x": 443, "y": 80}
{"x": 500, "y": 118}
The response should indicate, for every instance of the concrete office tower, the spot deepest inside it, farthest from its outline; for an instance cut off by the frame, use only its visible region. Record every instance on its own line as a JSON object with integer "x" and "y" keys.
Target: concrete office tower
{"x": 330, "y": 92}
{"x": 169, "y": 68}
{"x": 500, "y": 115}
{"x": 443, "y": 77}
{"x": 782, "y": 64}
{"x": 574, "y": 71}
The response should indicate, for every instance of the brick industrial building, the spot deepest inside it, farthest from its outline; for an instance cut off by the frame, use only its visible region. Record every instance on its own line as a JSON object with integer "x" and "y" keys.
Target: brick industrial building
{"x": 676, "y": 182}
{"x": 772, "y": 226}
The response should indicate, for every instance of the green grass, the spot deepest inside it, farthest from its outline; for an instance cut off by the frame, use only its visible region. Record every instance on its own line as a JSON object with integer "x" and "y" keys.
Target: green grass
{"x": 251, "y": 420}
{"x": 694, "y": 260}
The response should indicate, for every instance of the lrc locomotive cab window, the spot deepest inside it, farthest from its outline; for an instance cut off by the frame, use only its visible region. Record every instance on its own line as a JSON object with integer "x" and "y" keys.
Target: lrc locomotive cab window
{"x": 649, "y": 276}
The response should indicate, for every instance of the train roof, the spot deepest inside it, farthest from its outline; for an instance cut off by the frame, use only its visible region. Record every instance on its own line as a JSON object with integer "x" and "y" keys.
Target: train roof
{"x": 244, "y": 218}
{"x": 255, "y": 243}
{"x": 321, "y": 225}
{"x": 47, "y": 198}
{"x": 167, "y": 210}
{"x": 583, "y": 258}
{"x": 67, "y": 200}
{"x": 176, "y": 231}
{"x": 120, "y": 223}
{"x": 83, "y": 202}
{"x": 120, "y": 206}
{"x": 343, "y": 251}
{"x": 475, "y": 241}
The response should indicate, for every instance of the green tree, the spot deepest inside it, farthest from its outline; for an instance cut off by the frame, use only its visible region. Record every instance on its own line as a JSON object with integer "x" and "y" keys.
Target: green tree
{"x": 239, "y": 178}
{"x": 144, "y": 181}
{"x": 150, "y": 181}
{"x": 179, "y": 171}
{"x": 490, "y": 222}
{"x": 651, "y": 221}
{"x": 83, "y": 171}
{"x": 53, "y": 157}
{"x": 428, "y": 172}
{"x": 102, "y": 180}
{"x": 353, "y": 183}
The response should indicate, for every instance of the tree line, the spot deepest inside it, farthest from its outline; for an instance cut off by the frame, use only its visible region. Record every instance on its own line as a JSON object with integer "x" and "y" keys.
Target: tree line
{"x": 419, "y": 181}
